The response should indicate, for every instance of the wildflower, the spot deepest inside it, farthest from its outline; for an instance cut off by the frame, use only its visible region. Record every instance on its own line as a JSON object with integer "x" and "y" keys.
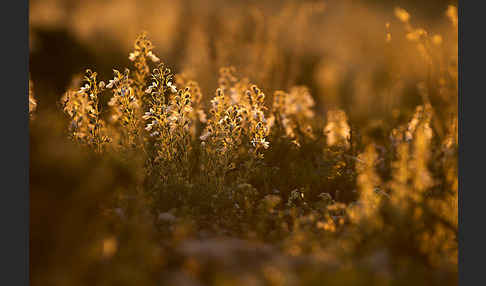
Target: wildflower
{"x": 151, "y": 88}
{"x": 388, "y": 34}
{"x": 140, "y": 56}
{"x": 84, "y": 88}
{"x": 452, "y": 14}
{"x": 292, "y": 112}
{"x": 337, "y": 128}
{"x": 205, "y": 135}
{"x": 132, "y": 56}
{"x": 147, "y": 115}
{"x": 112, "y": 82}
{"x": 82, "y": 107}
{"x": 437, "y": 39}
{"x": 416, "y": 34}
{"x": 402, "y": 14}
{"x": 260, "y": 142}
{"x": 368, "y": 180}
{"x": 153, "y": 57}
{"x": 172, "y": 87}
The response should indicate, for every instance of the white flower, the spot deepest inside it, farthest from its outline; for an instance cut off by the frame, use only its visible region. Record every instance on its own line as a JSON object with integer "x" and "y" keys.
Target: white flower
{"x": 146, "y": 115}
{"x": 111, "y": 82}
{"x": 265, "y": 144}
{"x": 261, "y": 142}
{"x": 84, "y": 88}
{"x": 153, "y": 57}
{"x": 172, "y": 87}
{"x": 151, "y": 87}
{"x": 205, "y": 136}
{"x": 188, "y": 108}
{"x": 173, "y": 118}
{"x": 133, "y": 56}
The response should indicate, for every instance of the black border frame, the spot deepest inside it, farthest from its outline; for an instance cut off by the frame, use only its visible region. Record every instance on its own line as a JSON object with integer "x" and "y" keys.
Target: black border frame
{"x": 471, "y": 151}
{"x": 14, "y": 211}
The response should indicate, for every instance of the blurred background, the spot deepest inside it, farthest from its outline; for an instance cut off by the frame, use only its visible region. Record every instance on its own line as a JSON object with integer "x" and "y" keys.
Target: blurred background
{"x": 337, "y": 48}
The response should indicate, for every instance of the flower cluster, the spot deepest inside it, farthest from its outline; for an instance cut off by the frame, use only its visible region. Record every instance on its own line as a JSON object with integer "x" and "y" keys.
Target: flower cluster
{"x": 124, "y": 106}
{"x": 236, "y": 126}
{"x": 84, "y": 109}
{"x": 197, "y": 115}
{"x": 140, "y": 56}
{"x": 257, "y": 124}
{"x": 337, "y": 128}
{"x": 169, "y": 122}
{"x": 223, "y": 134}
{"x": 292, "y": 112}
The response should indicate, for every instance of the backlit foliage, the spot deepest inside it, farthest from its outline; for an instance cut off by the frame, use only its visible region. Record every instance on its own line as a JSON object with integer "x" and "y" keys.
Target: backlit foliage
{"x": 84, "y": 110}
{"x": 245, "y": 175}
